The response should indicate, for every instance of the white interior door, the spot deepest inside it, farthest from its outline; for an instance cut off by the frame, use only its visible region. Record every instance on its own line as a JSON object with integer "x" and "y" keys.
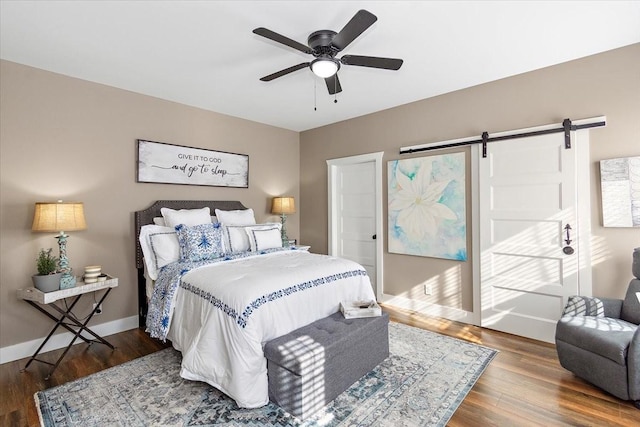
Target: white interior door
{"x": 527, "y": 199}
{"x": 355, "y": 212}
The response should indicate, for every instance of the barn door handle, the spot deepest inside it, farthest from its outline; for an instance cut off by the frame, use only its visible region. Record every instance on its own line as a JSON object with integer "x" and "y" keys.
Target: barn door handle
{"x": 567, "y": 228}
{"x": 374, "y": 237}
{"x": 568, "y": 250}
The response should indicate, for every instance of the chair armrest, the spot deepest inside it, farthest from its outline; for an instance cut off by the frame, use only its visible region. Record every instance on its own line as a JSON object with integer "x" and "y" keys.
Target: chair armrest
{"x": 579, "y": 305}
{"x": 612, "y": 307}
{"x": 633, "y": 366}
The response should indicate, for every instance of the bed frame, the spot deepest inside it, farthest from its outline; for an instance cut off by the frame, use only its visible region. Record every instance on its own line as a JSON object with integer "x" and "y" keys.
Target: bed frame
{"x": 145, "y": 217}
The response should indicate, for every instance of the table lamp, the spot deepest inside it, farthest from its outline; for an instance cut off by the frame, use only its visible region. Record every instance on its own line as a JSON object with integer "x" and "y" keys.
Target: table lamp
{"x": 283, "y": 206}
{"x": 56, "y": 217}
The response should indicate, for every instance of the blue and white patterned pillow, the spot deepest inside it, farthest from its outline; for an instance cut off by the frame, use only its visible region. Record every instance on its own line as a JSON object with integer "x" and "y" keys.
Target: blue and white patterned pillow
{"x": 200, "y": 242}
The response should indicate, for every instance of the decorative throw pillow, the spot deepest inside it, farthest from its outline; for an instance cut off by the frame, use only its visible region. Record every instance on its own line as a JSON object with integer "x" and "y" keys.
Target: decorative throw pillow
{"x": 200, "y": 242}
{"x": 165, "y": 248}
{"x": 159, "y": 246}
{"x": 266, "y": 238}
{"x": 579, "y": 305}
{"x": 236, "y": 237}
{"x": 189, "y": 217}
{"x": 237, "y": 217}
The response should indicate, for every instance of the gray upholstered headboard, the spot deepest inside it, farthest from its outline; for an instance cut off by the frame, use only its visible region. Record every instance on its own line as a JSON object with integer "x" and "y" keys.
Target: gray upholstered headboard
{"x": 146, "y": 216}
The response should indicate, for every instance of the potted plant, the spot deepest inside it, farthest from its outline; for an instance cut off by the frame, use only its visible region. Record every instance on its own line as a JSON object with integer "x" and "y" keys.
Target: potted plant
{"x": 48, "y": 278}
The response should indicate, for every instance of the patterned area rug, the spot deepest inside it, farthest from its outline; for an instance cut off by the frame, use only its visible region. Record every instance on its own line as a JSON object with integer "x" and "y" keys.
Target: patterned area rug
{"x": 422, "y": 383}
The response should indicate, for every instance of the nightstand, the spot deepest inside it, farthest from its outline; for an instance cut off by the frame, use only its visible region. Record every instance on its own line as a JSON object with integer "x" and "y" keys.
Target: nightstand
{"x": 45, "y": 302}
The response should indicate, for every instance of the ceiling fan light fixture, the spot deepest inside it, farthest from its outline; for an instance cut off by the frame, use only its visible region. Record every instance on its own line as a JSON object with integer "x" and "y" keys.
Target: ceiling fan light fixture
{"x": 325, "y": 67}
{"x": 324, "y": 45}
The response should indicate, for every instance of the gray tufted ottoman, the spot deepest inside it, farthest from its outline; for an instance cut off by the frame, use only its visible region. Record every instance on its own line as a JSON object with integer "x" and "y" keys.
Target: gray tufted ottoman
{"x": 311, "y": 366}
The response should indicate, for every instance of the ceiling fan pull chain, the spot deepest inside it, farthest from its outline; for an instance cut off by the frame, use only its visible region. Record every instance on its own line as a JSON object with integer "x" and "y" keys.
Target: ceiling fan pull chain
{"x": 335, "y": 90}
{"x": 315, "y": 95}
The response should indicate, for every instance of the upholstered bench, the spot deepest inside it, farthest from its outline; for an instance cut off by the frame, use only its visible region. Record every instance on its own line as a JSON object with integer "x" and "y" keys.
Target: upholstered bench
{"x": 311, "y": 366}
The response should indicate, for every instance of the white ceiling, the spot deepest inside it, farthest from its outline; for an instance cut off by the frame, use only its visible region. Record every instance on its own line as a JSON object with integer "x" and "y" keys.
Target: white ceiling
{"x": 204, "y": 54}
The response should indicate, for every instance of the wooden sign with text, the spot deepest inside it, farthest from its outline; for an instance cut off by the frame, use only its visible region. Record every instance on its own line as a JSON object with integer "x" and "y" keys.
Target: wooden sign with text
{"x": 174, "y": 164}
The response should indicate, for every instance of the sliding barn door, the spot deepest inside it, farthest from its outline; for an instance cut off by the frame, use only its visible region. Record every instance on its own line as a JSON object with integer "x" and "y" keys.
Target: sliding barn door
{"x": 529, "y": 260}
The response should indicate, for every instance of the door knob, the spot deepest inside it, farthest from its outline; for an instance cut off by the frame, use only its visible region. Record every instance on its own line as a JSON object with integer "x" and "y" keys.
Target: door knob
{"x": 374, "y": 237}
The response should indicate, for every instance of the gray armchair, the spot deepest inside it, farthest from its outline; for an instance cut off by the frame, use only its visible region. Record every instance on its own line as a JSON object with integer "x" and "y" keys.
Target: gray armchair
{"x": 598, "y": 339}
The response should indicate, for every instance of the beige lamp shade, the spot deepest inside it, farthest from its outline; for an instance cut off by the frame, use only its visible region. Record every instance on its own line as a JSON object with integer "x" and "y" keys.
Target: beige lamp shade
{"x": 283, "y": 205}
{"x": 61, "y": 216}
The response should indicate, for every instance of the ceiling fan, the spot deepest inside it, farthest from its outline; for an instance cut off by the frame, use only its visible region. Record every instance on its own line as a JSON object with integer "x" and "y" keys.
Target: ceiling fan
{"x": 324, "y": 45}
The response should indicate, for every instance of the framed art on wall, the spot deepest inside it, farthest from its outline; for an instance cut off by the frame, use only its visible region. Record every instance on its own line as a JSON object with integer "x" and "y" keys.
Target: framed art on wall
{"x": 620, "y": 185}
{"x": 427, "y": 206}
{"x": 159, "y": 162}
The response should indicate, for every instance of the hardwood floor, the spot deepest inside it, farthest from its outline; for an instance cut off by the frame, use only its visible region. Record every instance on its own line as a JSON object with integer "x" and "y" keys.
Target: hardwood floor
{"x": 523, "y": 386}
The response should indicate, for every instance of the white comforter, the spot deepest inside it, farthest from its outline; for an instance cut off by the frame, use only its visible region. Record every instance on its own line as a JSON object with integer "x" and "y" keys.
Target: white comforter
{"x": 225, "y": 312}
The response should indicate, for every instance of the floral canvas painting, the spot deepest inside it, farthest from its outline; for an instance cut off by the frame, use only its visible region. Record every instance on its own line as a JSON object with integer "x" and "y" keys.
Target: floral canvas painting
{"x": 427, "y": 206}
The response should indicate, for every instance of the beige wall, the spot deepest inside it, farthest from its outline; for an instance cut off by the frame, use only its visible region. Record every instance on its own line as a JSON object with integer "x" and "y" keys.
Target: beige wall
{"x": 64, "y": 138}
{"x": 605, "y": 84}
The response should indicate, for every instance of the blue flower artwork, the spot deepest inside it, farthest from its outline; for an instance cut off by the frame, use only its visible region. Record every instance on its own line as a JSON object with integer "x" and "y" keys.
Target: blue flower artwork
{"x": 427, "y": 206}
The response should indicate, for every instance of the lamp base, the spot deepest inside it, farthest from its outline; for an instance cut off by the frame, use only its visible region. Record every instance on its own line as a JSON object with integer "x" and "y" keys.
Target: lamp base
{"x": 67, "y": 281}
{"x": 283, "y": 231}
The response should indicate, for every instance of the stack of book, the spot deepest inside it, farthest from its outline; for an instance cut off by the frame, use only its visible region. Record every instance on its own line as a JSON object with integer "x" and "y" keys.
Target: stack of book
{"x": 356, "y": 309}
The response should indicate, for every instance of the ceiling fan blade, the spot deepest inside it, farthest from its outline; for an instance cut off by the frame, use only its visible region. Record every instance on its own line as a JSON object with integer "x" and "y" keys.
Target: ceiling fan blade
{"x": 284, "y": 72}
{"x": 372, "y": 61}
{"x": 358, "y": 24}
{"x": 333, "y": 84}
{"x": 261, "y": 31}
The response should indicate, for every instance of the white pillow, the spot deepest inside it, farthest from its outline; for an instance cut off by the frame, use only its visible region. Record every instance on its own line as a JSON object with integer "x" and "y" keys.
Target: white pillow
{"x": 266, "y": 238}
{"x": 238, "y": 217}
{"x": 189, "y": 217}
{"x": 236, "y": 237}
{"x": 159, "y": 247}
{"x": 158, "y": 220}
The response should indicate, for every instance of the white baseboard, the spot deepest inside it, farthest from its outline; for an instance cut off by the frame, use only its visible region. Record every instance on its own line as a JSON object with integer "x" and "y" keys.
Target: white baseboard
{"x": 26, "y": 349}
{"x": 423, "y": 307}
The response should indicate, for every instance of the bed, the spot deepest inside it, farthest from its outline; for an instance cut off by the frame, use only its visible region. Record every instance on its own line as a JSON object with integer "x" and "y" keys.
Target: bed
{"x": 219, "y": 310}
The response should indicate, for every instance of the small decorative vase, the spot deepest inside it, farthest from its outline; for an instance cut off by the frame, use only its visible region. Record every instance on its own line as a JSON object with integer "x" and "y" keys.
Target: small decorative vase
{"x": 48, "y": 282}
